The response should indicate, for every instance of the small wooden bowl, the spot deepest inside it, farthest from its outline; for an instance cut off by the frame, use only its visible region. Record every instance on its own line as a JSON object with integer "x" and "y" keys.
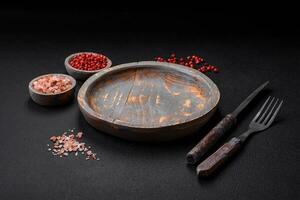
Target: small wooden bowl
{"x": 52, "y": 99}
{"x": 148, "y": 101}
{"x": 82, "y": 74}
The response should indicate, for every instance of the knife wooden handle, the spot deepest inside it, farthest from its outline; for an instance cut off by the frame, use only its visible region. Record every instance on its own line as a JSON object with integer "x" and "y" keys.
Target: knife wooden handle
{"x": 210, "y": 139}
{"x": 213, "y": 162}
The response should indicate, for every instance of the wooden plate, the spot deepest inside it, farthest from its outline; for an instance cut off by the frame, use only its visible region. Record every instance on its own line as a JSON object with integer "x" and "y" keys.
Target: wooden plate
{"x": 148, "y": 101}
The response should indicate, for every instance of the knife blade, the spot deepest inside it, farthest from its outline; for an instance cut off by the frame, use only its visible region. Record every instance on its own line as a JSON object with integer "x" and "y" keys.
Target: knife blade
{"x": 248, "y": 99}
{"x": 220, "y": 129}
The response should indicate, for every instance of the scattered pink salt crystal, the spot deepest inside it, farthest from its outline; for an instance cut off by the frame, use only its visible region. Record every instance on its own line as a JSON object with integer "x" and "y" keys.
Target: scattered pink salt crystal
{"x": 89, "y": 153}
{"x": 65, "y": 144}
{"x": 79, "y": 135}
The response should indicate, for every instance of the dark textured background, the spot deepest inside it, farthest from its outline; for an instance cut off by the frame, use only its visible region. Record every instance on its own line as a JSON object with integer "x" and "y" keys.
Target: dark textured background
{"x": 249, "y": 47}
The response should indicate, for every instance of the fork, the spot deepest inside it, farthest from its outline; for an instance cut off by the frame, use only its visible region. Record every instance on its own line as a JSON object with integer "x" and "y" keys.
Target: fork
{"x": 262, "y": 120}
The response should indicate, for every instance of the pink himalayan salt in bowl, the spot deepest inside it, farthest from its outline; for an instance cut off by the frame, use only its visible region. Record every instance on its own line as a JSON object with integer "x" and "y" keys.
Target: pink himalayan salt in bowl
{"x": 52, "y": 89}
{"x": 52, "y": 84}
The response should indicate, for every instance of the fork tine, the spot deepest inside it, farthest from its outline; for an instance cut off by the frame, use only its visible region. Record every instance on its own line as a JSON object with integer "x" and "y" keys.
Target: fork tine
{"x": 274, "y": 114}
{"x": 266, "y": 111}
{"x": 269, "y": 114}
{"x": 259, "y": 112}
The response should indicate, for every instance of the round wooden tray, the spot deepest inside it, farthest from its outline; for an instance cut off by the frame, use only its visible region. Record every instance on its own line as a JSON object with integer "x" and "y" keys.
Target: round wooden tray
{"x": 148, "y": 101}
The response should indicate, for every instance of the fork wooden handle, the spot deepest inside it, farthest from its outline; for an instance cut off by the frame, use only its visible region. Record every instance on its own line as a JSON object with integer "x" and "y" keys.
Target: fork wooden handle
{"x": 210, "y": 139}
{"x": 213, "y": 162}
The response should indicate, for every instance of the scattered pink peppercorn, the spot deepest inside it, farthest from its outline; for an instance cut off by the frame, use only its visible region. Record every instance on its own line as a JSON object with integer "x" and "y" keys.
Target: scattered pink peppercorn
{"x": 216, "y": 70}
{"x": 192, "y": 61}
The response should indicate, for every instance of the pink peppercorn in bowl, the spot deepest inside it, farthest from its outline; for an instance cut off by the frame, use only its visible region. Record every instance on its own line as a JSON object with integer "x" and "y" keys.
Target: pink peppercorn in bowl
{"x": 52, "y": 89}
{"x": 82, "y": 65}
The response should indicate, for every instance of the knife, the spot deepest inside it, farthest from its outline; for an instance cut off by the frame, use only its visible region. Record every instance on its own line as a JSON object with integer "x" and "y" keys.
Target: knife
{"x": 220, "y": 129}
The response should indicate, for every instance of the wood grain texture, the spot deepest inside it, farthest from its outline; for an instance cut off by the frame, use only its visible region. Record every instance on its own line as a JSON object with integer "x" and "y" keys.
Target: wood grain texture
{"x": 210, "y": 139}
{"x": 146, "y": 97}
{"x": 213, "y": 162}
